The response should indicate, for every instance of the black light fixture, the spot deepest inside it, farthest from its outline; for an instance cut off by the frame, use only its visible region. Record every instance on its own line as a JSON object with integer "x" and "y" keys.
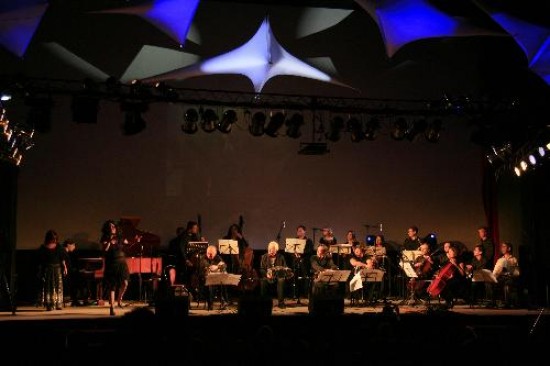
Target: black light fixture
{"x": 335, "y": 129}
{"x": 355, "y": 127}
{"x": 209, "y": 119}
{"x": 275, "y": 123}
{"x": 257, "y": 124}
{"x": 416, "y": 128}
{"x": 190, "y": 120}
{"x": 399, "y": 129}
{"x": 228, "y": 118}
{"x": 434, "y": 130}
{"x": 85, "y": 104}
{"x": 371, "y": 128}
{"x": 293, "y": 125}
{"x": 133, "y": 120}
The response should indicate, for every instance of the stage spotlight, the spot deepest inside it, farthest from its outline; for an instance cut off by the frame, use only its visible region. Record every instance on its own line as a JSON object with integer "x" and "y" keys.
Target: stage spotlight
{"x": 257, "y": 124}
{"x": 523, "y": 165}
{"x": 228, "y": 118}
{"x": 399, "y": 129}
{"x": 335, "y": 129}
{"x": 371, "y": 128}
{"x": 542, "y": 152}
{"x": 355, "y": 127}
{"x": 417, "y": 127}
{"x": 548, "y": 146}
{"x": 190, "y": 119}
{"x": 532, "y": 159}
{"x": 433, "y": 132}
{"x": 133, "y": 121}
{"x": 208, "y": 120}
{"x": 293, "y": 125}
{"x": 517, "y": 171}
{"x": 4, "y": 97}
{"x": 275, "y": 123}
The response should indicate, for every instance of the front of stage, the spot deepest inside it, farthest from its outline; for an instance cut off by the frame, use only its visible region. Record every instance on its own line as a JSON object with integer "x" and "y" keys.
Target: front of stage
{"x": 383, "y": 333}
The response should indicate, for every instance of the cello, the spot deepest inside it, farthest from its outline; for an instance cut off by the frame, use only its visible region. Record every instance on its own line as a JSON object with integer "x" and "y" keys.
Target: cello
{"x": 445, "y": 274}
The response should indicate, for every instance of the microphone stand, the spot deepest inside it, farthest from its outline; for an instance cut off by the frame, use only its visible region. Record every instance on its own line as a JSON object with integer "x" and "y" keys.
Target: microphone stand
{"x": 139, "y": 275}
{"x": 279, "y": 233}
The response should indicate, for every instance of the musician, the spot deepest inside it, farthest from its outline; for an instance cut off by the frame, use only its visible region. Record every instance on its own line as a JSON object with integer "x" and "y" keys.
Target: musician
{"x": 178, "y": 248}
{"x": 424, "y": 268}
{"x": 52, "y": 268}
{"x": 358, "y": 261}
{"x": 443, "y": 258}
{"x": 235, "y": 233}
{"x": 379, "y": 251}
{"x": 117, "y": 273}
{"x": 300, "y": 262}
{"x": 268, "y": 278}
{"x": 72, "y": 283}
{"x": 507, "y": 273}
{"x": 211, "y": 262}
{"x": 412, "y": 241}
{"x": 327, "y": 237}
{"x": 477, "y": 263}
{"x": 455, "y": 284}
{"x": 487, "y": 243}
{"x": 321, "y": 262}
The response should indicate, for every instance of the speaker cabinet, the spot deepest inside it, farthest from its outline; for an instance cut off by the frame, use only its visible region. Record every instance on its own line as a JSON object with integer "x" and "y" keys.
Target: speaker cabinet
{"x": 326, "y": 305}
{"x": 250, "y": 305}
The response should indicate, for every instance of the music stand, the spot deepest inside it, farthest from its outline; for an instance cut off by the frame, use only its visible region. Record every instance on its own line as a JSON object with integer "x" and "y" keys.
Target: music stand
{"x": 372, "y": 277}
{"x": 484, "y": 275}
{"x": 294, "y": 245}
{"x": 333, "y": 275}
{"x": 410, "y": 255}
{"x": 228, "y": 246}
{"x": 222, "y": 279}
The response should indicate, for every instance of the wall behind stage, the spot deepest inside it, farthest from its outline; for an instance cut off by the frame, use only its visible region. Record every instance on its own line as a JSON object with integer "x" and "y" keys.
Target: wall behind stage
{"x": 79, "y": 175}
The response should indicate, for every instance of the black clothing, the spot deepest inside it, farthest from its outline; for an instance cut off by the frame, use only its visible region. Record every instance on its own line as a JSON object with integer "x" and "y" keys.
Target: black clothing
{"x": 266, "y": 263}
{"x": 51, "y": 275}
{"x": 317, "y": 266}
{"x": 488, "y": 251}
{"x": 203, "y": 271}
{"x": 328, "y": 243}
{"x": 179, "y": 254}
{"x": 116, "y": 267}
{"x": 411, "y": 244}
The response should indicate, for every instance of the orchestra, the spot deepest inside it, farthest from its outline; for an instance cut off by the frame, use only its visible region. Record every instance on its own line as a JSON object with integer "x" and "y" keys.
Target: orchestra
{"x": 446, "y": 273}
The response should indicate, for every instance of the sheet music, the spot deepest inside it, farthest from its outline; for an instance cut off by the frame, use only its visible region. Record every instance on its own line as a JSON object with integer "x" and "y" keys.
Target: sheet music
{"x": 408, "y": 268}
{"x": 228, "y": 246}
{"x": 484, "y": 275}
{"x": 294, "y": 245}
{"x": 228, "y": 279}
{"x": 356, "y": 282}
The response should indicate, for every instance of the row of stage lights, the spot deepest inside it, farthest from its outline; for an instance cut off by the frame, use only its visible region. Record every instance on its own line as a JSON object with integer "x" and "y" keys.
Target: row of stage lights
{"x": 532, "y": 159}
{"x": 271, "y": 123}
{"x": 14, "y": 139}
{"x": 527, "y": 158}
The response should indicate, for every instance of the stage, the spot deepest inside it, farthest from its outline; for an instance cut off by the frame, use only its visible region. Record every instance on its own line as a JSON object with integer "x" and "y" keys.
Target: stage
{"x": 383, "y": 333}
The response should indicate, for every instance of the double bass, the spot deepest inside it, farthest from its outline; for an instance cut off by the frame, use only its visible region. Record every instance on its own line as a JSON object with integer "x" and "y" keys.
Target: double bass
{"x": 249, "y": 278}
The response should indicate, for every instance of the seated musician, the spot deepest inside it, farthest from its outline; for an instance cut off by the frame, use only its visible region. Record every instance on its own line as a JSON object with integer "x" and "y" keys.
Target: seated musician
{"x": 379, "y": 251}
{"x": 455, "y": 284}
{"x": 358, "y": 261}
{"x": 300, "y": 261}
{"x": 507, "y": 273}
{"x": 424, "y": 267}
{"x": 211, "y": 262}
{"x": 321, "y": 262}
{"x": 269, "y": 277}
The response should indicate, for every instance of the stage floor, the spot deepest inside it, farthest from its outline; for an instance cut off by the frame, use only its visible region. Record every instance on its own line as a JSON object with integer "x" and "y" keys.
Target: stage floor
{"x": 292, "y": 309}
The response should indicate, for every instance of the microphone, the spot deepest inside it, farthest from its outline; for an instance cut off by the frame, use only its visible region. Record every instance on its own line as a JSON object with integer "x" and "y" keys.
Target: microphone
{"x": 381, "y": 227}
{"x": 284, "y": 224}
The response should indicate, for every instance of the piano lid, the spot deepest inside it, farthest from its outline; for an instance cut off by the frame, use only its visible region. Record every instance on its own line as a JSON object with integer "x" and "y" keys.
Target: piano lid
{"x": 149, "y": 242}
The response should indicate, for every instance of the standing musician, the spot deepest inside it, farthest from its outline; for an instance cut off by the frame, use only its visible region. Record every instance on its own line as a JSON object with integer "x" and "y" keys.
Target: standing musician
{"x": 184, "y": 265}
{"x": 487, "y": 243}
{"x": 117, "y": 273}
{"x": 211, "y": 262}
{"x": 268, "y": 277}
{"x": 412, "y": 241}
{"x": 321, "y": 262}
{"x": 300, "y": 263}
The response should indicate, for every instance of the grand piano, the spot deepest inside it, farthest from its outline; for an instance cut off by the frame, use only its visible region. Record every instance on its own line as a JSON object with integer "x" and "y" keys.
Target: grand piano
{"x": 142, "y": 256}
